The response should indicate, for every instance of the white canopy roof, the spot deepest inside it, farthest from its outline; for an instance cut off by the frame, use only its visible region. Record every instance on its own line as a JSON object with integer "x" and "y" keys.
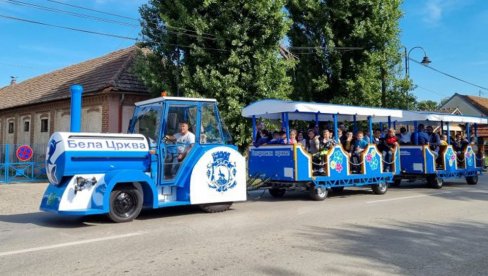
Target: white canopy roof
{"x": 409, "y": 116}
{"x": 305, "y": 111}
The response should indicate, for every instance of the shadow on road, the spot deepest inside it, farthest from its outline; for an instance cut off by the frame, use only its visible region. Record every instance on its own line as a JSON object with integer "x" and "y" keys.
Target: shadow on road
{"x": 420, "y": 248}
{"x": 263, "y": 195}
{"x": 45, "y": 219}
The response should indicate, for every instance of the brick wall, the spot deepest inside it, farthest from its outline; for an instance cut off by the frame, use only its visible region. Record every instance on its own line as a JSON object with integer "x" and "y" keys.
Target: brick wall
{"x": 100, "y": 113}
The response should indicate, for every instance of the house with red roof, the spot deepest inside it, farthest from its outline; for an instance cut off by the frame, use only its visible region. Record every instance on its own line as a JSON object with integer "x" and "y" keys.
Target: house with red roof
{"x": 30, "y": 111}
{"x": 468, "y": 105}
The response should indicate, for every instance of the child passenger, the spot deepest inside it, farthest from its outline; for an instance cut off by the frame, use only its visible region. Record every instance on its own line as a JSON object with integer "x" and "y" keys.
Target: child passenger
{"x": 293, "y": 137}
{"x": 359, "y": 146}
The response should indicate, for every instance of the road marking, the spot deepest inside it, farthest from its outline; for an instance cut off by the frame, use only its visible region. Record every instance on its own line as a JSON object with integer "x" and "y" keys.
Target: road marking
{"x": 405, "y": 197}
{"x": 34, "y": 249}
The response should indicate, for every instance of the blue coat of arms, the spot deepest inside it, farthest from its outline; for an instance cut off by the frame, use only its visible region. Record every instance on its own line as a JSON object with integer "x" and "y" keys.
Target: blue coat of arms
{"x": 221, "y": 172}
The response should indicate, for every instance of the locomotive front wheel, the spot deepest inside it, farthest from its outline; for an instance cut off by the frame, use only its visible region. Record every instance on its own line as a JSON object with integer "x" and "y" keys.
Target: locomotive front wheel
{"x": 472, "y": 180}
{"x": 125, "y": 203}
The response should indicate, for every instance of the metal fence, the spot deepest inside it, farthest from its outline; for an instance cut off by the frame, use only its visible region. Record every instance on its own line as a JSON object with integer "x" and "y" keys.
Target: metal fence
{"x": 13, "y": 169}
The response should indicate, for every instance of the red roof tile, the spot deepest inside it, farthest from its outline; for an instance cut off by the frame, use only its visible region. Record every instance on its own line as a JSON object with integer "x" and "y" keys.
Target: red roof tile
{"x": 109, "y": 71}
{"x": 480, "y": 103}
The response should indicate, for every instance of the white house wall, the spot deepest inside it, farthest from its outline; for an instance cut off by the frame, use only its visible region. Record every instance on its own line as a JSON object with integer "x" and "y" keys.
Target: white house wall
{"x": 464, "y": 107}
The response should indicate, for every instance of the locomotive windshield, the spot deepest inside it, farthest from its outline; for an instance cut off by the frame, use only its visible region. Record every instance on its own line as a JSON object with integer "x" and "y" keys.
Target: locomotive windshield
{"x": 146, "y": 121}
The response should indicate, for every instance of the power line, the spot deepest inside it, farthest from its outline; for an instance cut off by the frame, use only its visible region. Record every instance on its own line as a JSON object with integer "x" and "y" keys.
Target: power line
{"x": 80, "y": 15}
{"x": 449, "y": 75}
{"x": 91, "y": 17}
{"x": 430, "y": 90}
{"x": 103, "y": 34}
{"x": 93, "y": 10}
{"x": 129, "y": 18}
{"x": 66, "y": 27}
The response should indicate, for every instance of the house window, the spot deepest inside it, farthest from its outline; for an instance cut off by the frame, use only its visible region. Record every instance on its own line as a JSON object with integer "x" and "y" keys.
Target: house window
{"x": 11, "y": 127}
{"x": 26, "y": 126}
{"x": 44, "y": 125}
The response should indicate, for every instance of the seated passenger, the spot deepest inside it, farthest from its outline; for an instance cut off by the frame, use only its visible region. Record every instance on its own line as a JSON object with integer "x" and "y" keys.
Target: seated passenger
{"x": 420, "y": 135}
{"x": 277, "y": 138}
{"x": 313, "y": 143}
{"x": 264, "y": 138}
{"x": 259, "y": 126}
{"x": 404, "y": 136}
{"x": 360, "y": 145}
{"x": 377, "y": 137}
{"x": 444, "y": 140}
{"x": 389, "y": 144}
{"x": 459, "y": 144}
{"x": 326, "y": 142}
{"x": 300, "y": 139}
{"x": 348, "y": 143}
{"x": 313, "y": 147}
{"x": 434, "y": 141}
{"x": 293, "y": 137}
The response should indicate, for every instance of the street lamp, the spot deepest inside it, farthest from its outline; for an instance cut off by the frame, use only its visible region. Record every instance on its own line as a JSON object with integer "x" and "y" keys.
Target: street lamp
{"x": 425, "y": 60}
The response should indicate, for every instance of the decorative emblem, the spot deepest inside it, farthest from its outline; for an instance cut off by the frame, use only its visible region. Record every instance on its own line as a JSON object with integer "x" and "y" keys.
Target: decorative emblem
{"x": 469, "y": 156}
{"x": 451, "y": 157}
{"x": 221, "y": 173}
{"x": 336, "y": 161}
{"x": 373, "y": 162}
{"x": 51, "y": 164}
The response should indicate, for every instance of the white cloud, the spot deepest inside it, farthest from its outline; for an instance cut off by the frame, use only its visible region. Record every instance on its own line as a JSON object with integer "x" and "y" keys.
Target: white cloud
{"x": 435, "y": 10}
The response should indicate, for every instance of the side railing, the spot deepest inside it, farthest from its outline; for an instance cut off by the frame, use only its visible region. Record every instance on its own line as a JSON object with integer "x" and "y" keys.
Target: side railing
{"x": 22, "y": 163}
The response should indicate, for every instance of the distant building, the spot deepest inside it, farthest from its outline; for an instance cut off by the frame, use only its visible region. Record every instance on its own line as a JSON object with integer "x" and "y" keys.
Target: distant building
{"x": 468, "y": 105}
{"x": 30, "y": 111}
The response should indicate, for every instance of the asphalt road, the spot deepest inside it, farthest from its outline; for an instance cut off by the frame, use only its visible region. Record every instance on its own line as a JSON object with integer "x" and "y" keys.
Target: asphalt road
{"x": 410, "y": 230}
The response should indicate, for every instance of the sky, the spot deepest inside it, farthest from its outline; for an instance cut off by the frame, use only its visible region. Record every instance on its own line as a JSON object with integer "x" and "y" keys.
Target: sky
{"x": 453, "y": 34}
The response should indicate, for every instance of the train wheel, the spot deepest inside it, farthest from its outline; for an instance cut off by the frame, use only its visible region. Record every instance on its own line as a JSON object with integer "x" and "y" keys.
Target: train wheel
{"x": 380, "y": 188}
{"x": 435, "y": 182}
{"x": 215, "y": 207}
{"x": 277, "y": 193}
{"x": 125, "y": 203}
{"x": 472, "y": 180}
{"x": 318, "y": 194}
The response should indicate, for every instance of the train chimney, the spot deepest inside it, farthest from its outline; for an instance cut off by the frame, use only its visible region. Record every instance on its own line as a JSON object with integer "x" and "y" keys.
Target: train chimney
{"x": 76, "y": 91}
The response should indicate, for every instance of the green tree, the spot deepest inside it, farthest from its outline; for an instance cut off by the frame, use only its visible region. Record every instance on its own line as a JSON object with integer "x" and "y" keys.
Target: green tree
{"x": 427, "y": 105}
{"x": 226, "y": 50}
{"x": 348, "y": 52}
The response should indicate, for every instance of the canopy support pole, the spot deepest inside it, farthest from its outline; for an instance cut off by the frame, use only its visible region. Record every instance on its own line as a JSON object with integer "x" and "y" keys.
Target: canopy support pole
{"x": 355, "y": 124}
{"x": 335, "y": 128}
{"x": 416, "y": 133}
{"x": 389, "y": 122}
{"x": 370, "y": 125}
{"x": 254, "y": 128}
{"x": 287, "y": 129}
{"x": 448, "y": 133}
